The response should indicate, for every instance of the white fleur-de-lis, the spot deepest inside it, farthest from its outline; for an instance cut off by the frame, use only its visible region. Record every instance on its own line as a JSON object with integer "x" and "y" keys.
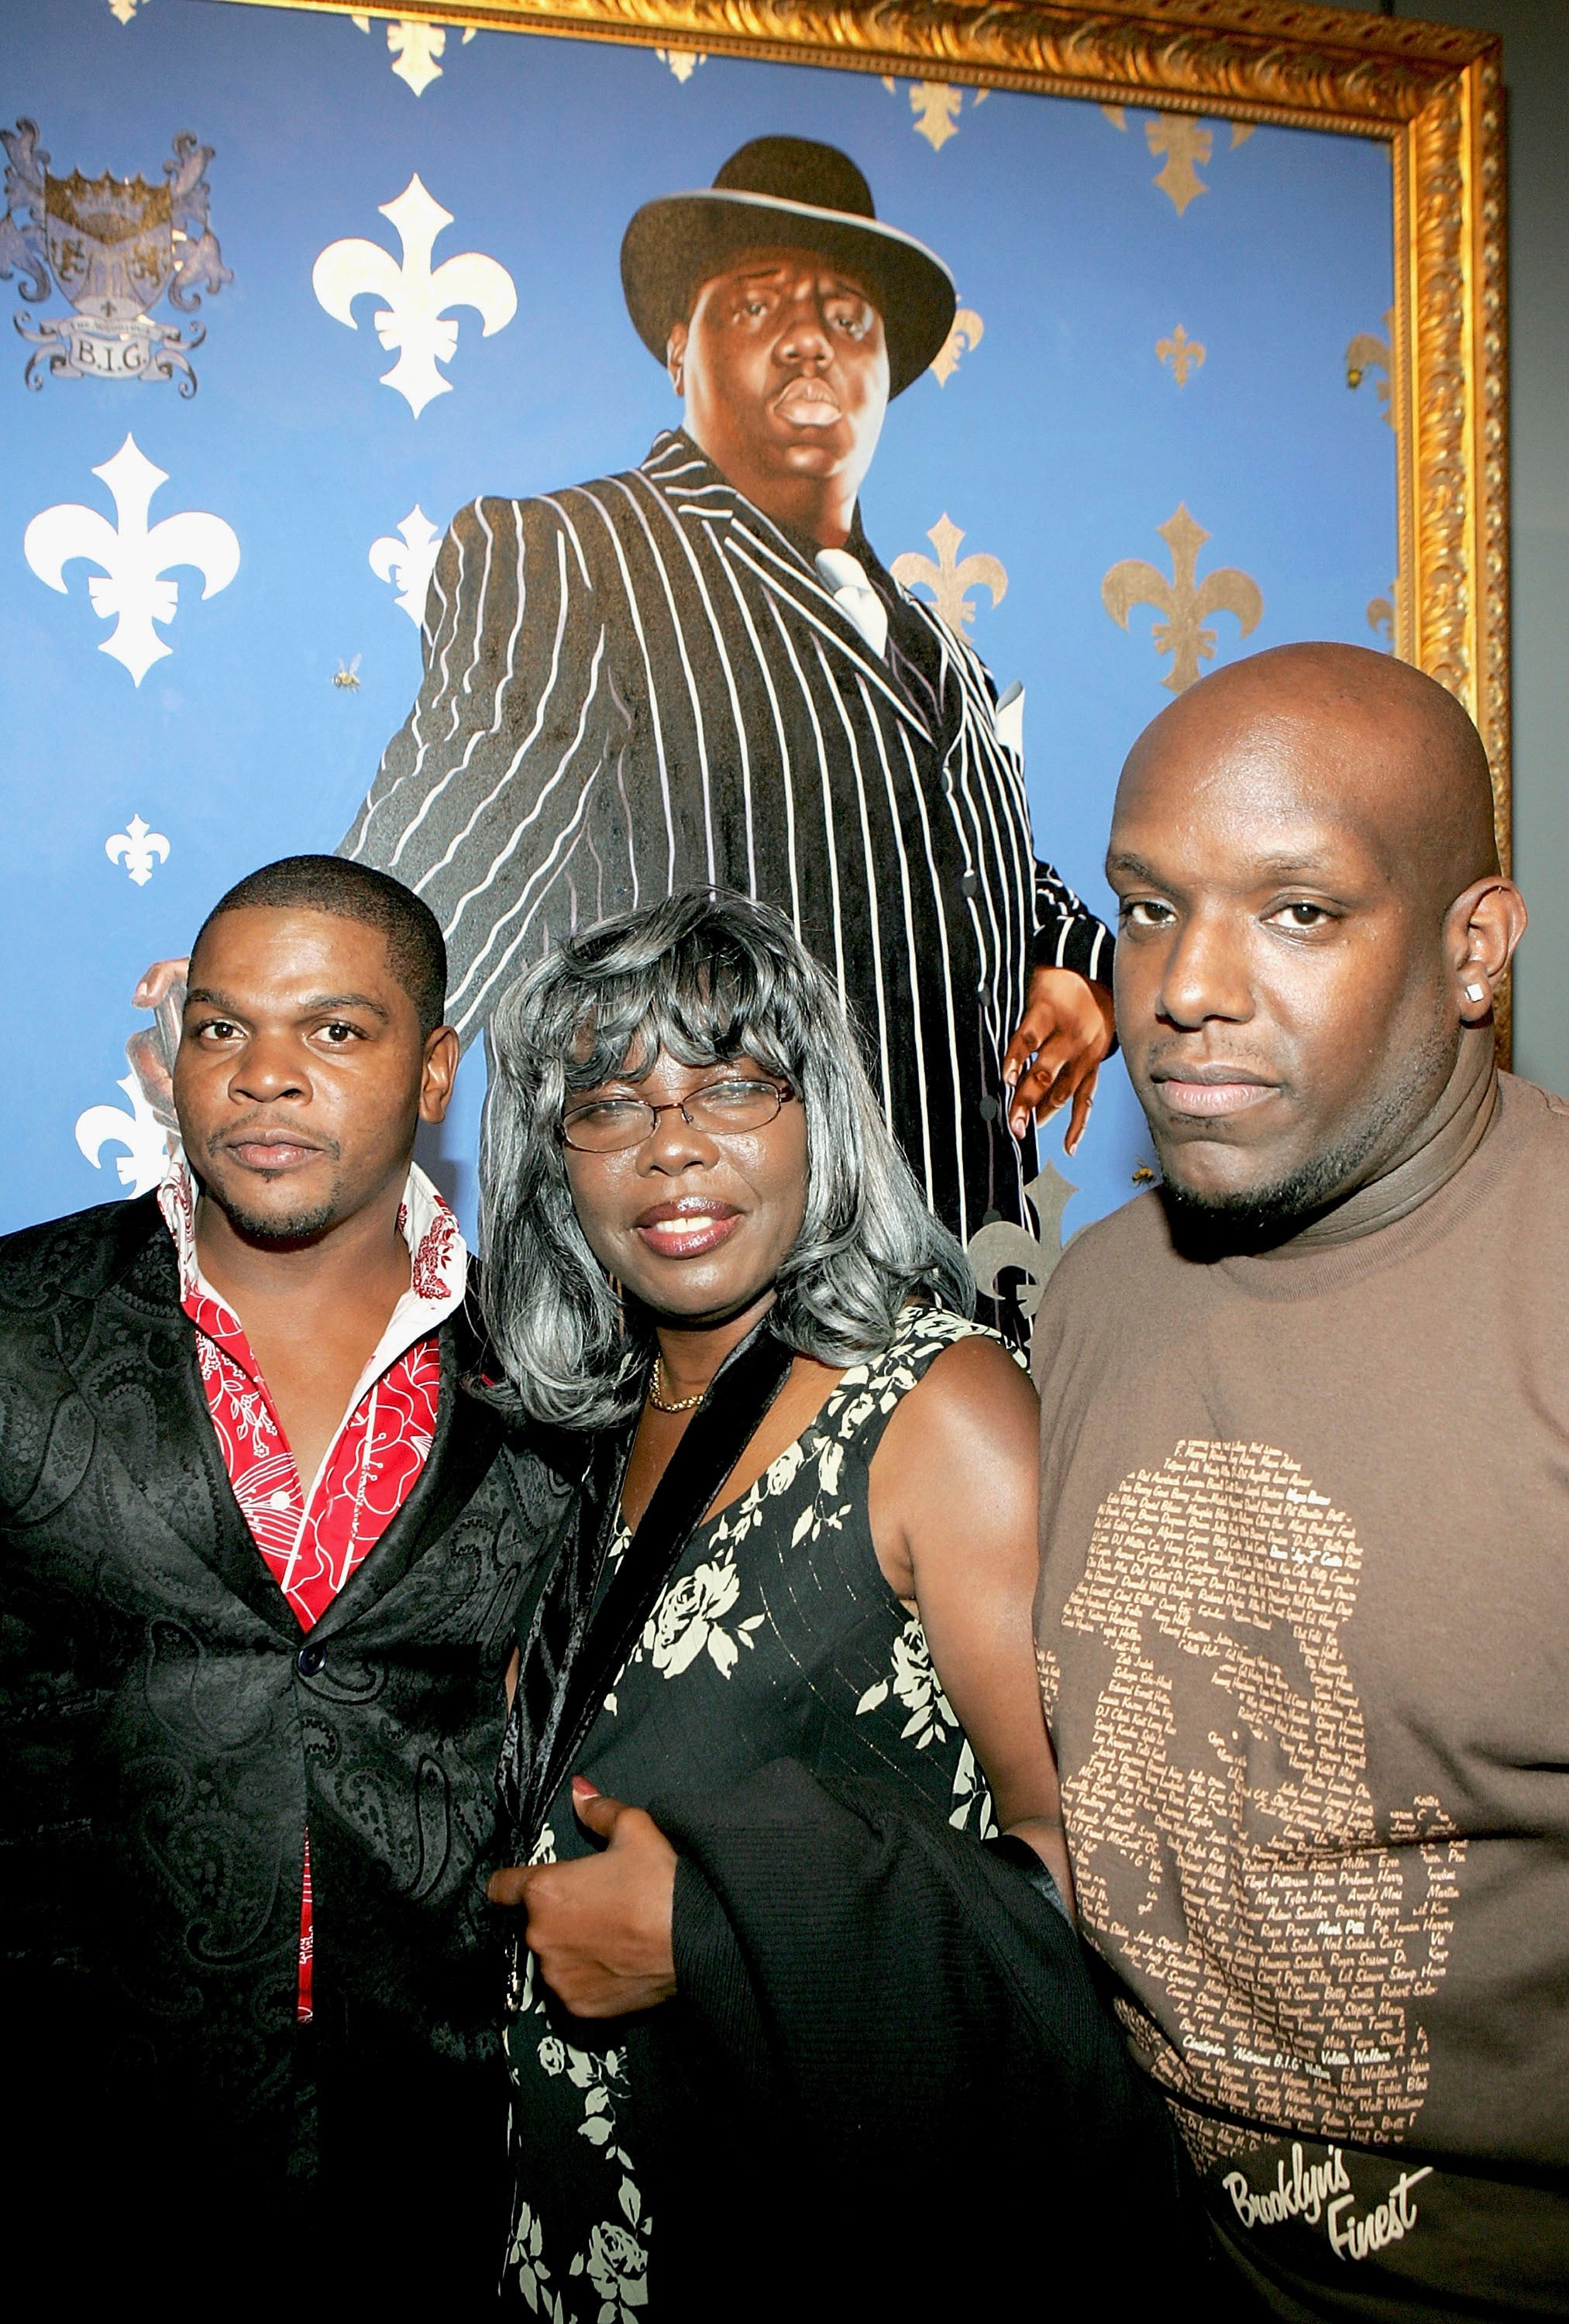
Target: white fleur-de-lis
{"x": 414, "y": 47}
{"x": 417, "y": 299}
{"x": 133, "y": 557}
{"x": 139, "y": 847}
{"x": 146, "y": 1161}
{"x": 409, "y": 562}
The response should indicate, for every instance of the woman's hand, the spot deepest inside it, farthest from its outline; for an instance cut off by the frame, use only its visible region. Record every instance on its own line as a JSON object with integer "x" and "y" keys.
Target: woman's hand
{"x": 600, "y": 1926}
{"x": 1065, "y": 1031}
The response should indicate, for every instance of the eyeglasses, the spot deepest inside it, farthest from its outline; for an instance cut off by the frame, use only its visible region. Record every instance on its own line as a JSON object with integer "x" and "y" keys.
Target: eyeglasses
{"x": 727, "y": 1109}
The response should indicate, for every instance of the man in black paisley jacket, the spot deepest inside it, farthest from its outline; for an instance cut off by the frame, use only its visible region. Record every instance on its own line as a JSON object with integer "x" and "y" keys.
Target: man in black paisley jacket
{"x": 171, "y": 1730}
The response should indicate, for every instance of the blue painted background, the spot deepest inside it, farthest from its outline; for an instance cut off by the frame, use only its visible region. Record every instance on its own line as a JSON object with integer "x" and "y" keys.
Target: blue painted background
{"x": 1059, "y": 446}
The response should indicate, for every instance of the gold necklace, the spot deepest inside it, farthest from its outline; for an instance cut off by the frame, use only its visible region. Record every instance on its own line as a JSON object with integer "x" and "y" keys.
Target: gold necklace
{"x": 686, "y": 1403}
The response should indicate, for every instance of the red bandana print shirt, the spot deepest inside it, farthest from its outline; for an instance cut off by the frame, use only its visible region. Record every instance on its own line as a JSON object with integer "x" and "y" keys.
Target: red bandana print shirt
{"x": 313, "y": 1537}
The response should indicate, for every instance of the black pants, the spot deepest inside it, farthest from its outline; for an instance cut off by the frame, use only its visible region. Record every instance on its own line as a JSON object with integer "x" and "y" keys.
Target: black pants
{"x": 383, "y": 2178}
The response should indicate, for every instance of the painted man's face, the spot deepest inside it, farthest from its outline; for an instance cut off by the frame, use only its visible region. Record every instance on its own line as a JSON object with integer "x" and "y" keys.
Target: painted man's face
{"x": 784, "y": 368}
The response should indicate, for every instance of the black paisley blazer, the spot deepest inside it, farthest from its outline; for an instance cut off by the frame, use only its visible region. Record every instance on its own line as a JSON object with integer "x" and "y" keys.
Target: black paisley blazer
{"x": 169, "y": 1731}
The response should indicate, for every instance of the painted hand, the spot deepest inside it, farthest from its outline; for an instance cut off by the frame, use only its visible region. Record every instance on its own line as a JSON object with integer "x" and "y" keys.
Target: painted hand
{"x": 150, "y": 1051}
{"x": 1055, "y": 1056}
{"x": 600, "y": 1926}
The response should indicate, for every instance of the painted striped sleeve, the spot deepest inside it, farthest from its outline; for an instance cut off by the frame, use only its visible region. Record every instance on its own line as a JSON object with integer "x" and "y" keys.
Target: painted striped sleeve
{"x": 483, "y": 796}
{"x": 1067, "y": 934}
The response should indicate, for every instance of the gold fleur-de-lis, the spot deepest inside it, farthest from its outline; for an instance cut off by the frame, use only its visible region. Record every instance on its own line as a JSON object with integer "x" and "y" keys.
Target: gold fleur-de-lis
{"x": 1366, "y": 353}
{"x": 1183, "y": 353}
{"x": 1382, "y": 614}
{"x": 968, "y": 331}
{"x": 1000, "y": 1245}
{"x": 1185, "y": 602}
{"x": 951, "y": 580}
{"x": 1184, "y": 142}
{"x": 936, "y": 106}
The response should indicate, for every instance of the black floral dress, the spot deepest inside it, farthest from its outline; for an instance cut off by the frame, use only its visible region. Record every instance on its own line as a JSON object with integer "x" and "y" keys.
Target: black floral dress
{"x": 776, "y": 1637}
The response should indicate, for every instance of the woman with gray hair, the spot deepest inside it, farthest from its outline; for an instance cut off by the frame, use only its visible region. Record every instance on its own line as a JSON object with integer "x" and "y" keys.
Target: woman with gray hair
{"x": 807, "y": 1531}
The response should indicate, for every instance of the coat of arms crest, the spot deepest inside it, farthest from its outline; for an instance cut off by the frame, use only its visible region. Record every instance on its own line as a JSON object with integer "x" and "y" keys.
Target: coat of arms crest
{"x": 114, "y": 246}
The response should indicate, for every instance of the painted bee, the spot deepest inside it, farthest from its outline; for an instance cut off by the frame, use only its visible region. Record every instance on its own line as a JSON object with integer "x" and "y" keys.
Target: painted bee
{"x": 346, "y": 674}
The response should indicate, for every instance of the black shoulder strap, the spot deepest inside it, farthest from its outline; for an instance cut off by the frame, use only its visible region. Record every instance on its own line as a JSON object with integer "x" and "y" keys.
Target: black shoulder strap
{"x": 574, "y": 1649}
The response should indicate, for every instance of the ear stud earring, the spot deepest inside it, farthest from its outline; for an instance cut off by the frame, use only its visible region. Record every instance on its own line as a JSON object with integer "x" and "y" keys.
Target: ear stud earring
{"x": 1476, "y": 992}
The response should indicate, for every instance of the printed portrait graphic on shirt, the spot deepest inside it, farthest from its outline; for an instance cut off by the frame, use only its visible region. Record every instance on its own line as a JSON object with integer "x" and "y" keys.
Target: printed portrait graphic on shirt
{"x": 1301, "y": 1630}
{"x": 1224, "y": 1578}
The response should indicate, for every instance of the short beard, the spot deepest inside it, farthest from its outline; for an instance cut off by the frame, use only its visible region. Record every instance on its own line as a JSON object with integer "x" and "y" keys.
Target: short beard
{"x": 275, "y": 1234}
{"x": 293, "y": 1228}
{"x": 1207, "y": 1227}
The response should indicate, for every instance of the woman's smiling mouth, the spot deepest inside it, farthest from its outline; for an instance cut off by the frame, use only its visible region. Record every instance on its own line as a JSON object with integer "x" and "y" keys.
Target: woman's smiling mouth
{"x": 687, "y": 1227}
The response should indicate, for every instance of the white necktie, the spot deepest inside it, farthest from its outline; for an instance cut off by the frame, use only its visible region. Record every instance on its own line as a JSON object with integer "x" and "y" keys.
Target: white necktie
{"x": 854, "y": 595}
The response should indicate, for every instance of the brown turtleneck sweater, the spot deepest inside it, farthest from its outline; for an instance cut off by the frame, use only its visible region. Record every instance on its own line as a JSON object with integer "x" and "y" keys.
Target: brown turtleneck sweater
{"x": 1303, "y": 1639}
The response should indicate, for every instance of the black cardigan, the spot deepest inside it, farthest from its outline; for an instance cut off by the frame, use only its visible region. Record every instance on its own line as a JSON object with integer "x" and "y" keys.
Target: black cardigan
{"x": 889, "y": 2086}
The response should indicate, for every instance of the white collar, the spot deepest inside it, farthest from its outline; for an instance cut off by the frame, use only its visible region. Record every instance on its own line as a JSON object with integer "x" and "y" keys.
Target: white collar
{"x": 437, "y": 1270}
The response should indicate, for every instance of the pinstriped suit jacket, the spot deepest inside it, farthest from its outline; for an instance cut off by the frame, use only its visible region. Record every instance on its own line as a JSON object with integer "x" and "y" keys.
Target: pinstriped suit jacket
{"x": 641, "y": 683}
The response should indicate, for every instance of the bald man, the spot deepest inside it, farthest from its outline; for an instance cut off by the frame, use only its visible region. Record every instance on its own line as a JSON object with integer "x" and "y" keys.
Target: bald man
{"x": 1302, "y": 1622}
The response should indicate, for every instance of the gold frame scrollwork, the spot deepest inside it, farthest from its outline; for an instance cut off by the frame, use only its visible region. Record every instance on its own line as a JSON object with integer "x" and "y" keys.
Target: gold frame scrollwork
{"x": 1434, "y": 93}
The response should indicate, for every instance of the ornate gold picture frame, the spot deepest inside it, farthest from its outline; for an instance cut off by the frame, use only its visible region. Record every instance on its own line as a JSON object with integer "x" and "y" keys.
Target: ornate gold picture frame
{"x": 1433, "y": 94}
{"x": 1200, "y": 251}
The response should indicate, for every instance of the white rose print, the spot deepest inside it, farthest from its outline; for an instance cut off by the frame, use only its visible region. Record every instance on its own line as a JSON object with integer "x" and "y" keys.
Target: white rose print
{"x": 914, "y": 1684}
{"x": 617, "y": 2267}
{"x": 688, "y": 1621}
{"x": 781, "y": 1473}
{"x": 805, "y": 1511}
{"x": 971, "y": 1797}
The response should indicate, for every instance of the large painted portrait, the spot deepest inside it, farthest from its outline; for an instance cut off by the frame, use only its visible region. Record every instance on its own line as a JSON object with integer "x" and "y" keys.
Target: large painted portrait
{"x": 559, "y": 456}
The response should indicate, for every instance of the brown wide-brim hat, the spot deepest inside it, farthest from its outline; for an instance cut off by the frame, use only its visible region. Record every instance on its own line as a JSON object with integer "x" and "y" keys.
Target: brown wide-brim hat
{"x": 792, "y": 192}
